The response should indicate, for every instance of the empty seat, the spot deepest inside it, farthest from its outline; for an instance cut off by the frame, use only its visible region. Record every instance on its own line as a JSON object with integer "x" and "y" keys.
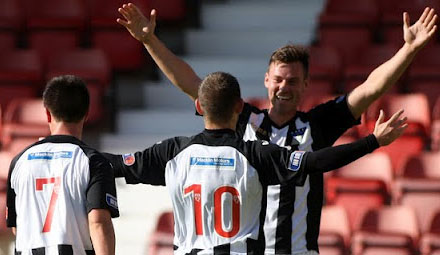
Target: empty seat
{"x": 7, "y": 41}
{"x": 21, "y": 67}
{"x": 5, "y": 160}
{"x": 11, "y": 15}
{"x": 24, "y": 118}
{"x": 387, "y": 227}
{"x": 423, "y": 195}
{"x": 18, "y": 144}
{"x": 9, "y": 92}
{"x": 161, "y": 241}
{"x": 430, "y": 241}
{"x": 425, "y": 65}
{"x": 429, "y": 88}
{"x": 334, "y": 234}
{"x": 361, "y": 185}
{"x": 325, "y": 65}
{"x": 369, "y": 59}
{"x": 50, "y": 44}
{"x": 422, "y": 166}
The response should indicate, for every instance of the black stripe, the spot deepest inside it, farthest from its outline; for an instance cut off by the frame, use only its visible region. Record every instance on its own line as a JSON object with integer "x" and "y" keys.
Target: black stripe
{"x": 290, "y": 141}
{"x": 283, "y": 242}
{"x": 193, "y": 252}
{"x": 38, "y": 251}
{"x": 65, "y": 249}
{"x": 17, "y": 252}
{"x": 224, "y": 249}
{"x": 314, "y": 206}
{"x": 265, "y": 129}
{"x": 90, "y": 252}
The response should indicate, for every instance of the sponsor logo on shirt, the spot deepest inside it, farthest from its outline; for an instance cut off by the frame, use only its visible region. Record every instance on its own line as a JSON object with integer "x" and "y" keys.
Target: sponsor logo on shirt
{"x": 49, "y": 155}
{"x": 128, "y": 159}
{"x": 111, "y": 200}
{"x": 299, "y": 131}
{"x": 213, "y": 163}
{"x": 295, "y": 160}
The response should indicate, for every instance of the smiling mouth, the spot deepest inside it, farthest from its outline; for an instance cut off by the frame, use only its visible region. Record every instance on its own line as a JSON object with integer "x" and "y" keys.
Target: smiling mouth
{"x": 284, "y": 98}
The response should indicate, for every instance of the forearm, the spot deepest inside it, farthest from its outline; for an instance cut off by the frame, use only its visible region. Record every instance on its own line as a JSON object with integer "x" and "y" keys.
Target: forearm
{"x": 102, "y": 235}
{"x": 176, "y": 70}
{"x": 332, "y": 158}
{"x": 380, "y": 80}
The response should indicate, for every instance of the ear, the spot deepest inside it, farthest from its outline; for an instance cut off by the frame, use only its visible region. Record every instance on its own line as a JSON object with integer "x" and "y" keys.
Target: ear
{"x": 49, "y": 116}
{"x": 198, "y": 107}
{"x": 266, "y": 79}
{"x": 239, "y": 106}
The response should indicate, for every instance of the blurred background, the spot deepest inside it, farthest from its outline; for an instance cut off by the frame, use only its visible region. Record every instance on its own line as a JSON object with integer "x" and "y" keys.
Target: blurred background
{"x": 385, "y": 203}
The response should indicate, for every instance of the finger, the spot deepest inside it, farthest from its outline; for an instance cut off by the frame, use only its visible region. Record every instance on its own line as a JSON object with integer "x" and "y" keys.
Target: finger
{"x": 153, "y": 15}
{"x": 433, "y": 30}
{"x": 432, "y": 23}
{"x": 123, "y": 13}
{"x": 406, "y": 20}
{"x": 122, "y": 22}
{"x": 424, "y": 14}
{"x": 134, "y": 9}
{"x": 429, "y": 17}
{"x": 395, "y": 116}
{"x": 400, "y": 122}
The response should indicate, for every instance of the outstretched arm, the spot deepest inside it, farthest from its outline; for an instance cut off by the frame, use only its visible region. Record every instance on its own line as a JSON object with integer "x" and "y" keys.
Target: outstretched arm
{"x": 385, "y": 132}
{"x": 384, "y": 76}
{"x": 142, "y": 29}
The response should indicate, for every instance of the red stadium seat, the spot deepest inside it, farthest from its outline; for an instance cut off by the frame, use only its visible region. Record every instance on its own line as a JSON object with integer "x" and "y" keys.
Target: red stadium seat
{"x": 11, "y": 15}
{"x": 24, "y": 118}
{"x": 422, "y": 166}
{"x": 7, "y": 41}
{"x": 430, "y": 88}
{"x": 369, "y": 58}
{"x": 13, "y": 91}
{"x": 123, "y": 51}
{"x": 17, "y": 145}
{"x": 430, "y": 242}
{"x": 361, "y": 185}
{"x": 325, "y": 66}
{"x": 5, "y": 160}
{"x": 423, "y": 195}
{"x": 21, "y": 67}
{"x": 334, "y": 234}
{"x": 51, "y": 44}
{"x": 387, "y": 228}
{"x": 426, "y": 68}
{"x": 161, "y": 241}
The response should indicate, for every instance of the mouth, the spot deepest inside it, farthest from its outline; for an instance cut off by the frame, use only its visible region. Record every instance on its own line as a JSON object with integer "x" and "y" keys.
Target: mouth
{"x": 283, "y": 98}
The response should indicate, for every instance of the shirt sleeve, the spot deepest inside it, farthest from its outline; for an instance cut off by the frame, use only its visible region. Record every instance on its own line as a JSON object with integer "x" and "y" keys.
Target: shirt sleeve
{"x": 101, "y": 191}
{"x": 329, "y": 121}
{"x": 147, "y": 166}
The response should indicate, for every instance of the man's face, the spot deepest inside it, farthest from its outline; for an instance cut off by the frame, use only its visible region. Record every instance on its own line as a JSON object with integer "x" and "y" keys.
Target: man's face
{"x": 285, "y": 84}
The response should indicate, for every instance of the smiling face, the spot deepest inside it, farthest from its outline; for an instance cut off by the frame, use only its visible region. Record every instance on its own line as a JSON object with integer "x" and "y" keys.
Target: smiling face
{"x": 285, "y": 83}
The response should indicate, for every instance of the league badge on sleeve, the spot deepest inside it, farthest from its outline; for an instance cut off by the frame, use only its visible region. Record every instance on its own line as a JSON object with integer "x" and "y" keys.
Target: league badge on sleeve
{"x": 128, "y": 159}
{"x": 295, "y": 160}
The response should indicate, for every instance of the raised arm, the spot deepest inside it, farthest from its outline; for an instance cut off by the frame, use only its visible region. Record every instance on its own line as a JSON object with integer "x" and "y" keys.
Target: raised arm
{"x": 384, "y": 76}
{"x": 102, "y": 232}
{"x": 142, "y": 29}
{"x": 330, "y": 158}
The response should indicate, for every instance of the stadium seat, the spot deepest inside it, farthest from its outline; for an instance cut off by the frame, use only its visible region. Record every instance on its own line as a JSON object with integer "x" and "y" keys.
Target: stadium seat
{"x": 369, "y": 58}
{"x": 334, "y": 234}
{"x": 389, "y": 227}
{"x": 161, "y": 241}
{"x": 386, "y": 251}
{"x": 18, "y": 144}
{"x": 13, "y": 91}
{"x": 435, "y": 128}
{"x": 93, "y": 67}
{"x": 422, "y": 166}
{"x": 123, "y": 51}
{"x": 5, "y": 160}
{"x": 25, "y": 118}
{"x": 426, "y": 66}
{"x": 51, "y": 44}
{"x": 7, "y": 41}
{"x": 21, "y": 67}
{"x": 423, "y": 195}
{"x": 11, "y": 15}
{"x": 430, "y": 241}
{"x": 325, "y": 65}
{"x": 430, "y": 88}
{"x": 361, "y": 185}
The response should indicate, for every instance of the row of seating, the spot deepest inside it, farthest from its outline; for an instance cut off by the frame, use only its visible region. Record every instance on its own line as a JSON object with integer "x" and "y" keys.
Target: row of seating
{"x": 383, "y": 230}
{"x": 365, "y": 21}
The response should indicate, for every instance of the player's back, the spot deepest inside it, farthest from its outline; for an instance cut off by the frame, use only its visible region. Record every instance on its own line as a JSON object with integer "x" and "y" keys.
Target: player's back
{"x": 49, "y": 181}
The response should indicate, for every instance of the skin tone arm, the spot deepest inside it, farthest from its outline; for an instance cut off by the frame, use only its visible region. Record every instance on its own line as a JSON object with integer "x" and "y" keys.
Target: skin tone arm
{"x": 384, "y": 76}
{"x": 102, "y": 232}
{"x": 142, "y": 29}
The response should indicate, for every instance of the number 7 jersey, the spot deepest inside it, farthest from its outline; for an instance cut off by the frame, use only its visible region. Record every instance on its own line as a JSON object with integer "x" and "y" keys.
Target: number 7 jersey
{"x": 52, "y": 185}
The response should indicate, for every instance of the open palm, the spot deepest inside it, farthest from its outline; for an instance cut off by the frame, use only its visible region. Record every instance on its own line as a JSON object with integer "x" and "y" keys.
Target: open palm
{"x": 420, "y": 32}
{"x": 136, "y": 23}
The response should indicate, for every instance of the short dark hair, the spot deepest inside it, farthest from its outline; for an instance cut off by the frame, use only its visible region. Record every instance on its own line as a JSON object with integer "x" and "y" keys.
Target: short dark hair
{"x": 67, "y": 98}
{"x": 291, "y": 53}
{"x": 218, "y": 94}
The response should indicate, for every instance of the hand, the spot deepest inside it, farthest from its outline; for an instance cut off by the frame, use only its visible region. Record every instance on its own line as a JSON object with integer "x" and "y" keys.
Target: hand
{"x": 387, "y": 132}
{"x": 420, "y": 32}
{"x": 136, "y": 23}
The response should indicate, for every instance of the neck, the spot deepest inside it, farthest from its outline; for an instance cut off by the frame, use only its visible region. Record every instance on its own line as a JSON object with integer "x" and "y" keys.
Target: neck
{"x": 62, "y": 128}
{"x": 213, "y": 125}
{"x": 281, "y": 117}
